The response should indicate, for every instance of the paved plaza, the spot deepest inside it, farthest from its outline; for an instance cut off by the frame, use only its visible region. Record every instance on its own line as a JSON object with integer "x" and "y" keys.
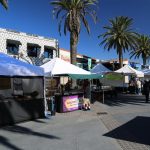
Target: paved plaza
{"x": 122, "y": 123}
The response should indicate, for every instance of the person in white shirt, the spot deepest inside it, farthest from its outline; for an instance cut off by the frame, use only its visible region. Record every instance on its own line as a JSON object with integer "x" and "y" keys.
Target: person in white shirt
{"x": 139, "y": 86}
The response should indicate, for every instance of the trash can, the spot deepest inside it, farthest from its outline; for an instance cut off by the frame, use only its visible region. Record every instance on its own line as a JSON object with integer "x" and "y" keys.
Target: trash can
{"x": 52, "y": 106}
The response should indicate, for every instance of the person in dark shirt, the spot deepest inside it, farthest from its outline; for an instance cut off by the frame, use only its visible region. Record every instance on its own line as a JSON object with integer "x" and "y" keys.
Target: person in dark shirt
{"x": 146, "y": 89}
{"x": 68, "y": 86}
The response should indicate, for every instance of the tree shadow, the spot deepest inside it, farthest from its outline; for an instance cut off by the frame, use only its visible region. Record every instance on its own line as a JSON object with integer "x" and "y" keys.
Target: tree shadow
{"x": 136, "y": 130}
{"x": 6, "y": 143}
{"x": 23, "y": 130}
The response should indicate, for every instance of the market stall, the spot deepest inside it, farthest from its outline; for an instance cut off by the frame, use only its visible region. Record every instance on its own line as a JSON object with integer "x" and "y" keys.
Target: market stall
{"x": 100, "y": 69}
{"x": 130, "y": 74}
{"x": 66, "y": 100}
{"x": 21, "y": 91}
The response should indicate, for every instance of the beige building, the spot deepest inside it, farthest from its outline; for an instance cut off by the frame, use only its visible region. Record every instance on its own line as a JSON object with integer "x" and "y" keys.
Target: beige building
{"x": 65, "y": 54}
{"x": 83, "y": 61}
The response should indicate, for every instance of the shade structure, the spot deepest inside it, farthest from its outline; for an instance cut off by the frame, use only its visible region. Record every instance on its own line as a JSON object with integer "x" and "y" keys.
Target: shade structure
{"x": 100, "y": 69}
{"x": 10, "y": 66}
{"x": 146, "y": 72}
{"x": 58, "y": 66}
{"x": 128, "y": 70}
{"x": 89, "y": 76}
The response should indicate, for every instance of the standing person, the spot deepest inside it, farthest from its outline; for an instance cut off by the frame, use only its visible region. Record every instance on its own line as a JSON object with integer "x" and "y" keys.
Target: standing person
{"x": 139, "y": 86}
{"x": 146, "y": 89}
{"x": 87, "y": 95}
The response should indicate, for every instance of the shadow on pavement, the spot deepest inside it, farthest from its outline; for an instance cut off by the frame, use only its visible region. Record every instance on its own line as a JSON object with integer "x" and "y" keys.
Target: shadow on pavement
{"x": 6, "y": 143}
{"x": 39, "y": 121}
{"x": 27, "y": 131}
{"x": 136, "y": 130}
{"x": 22, "y": 130}
{"x": 123, "y": 99}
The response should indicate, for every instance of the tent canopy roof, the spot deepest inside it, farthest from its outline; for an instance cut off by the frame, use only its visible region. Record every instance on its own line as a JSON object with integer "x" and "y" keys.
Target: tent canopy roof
{"x": 58, "y": 66}
{"x": 100, "y": 69}
{"x": 10, "y": 66}
{"x": 146, "y": 72}
{"x": 128, "y": 70}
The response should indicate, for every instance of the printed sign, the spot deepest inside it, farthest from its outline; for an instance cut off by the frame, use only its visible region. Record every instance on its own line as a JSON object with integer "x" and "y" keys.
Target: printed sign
{"x": 70, "y": 103}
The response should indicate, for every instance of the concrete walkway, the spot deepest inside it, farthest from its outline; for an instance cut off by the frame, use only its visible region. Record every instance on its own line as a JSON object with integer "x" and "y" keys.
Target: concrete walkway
{"x": 78, "y": 130}
{"x": 121, "y": 123}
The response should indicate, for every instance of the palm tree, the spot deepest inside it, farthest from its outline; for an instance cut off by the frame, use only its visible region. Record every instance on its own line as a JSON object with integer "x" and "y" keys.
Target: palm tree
{"x": 142, "y": 48}
{"x": 71, "y": 13}
{"x": 4, "y": 3}
{"x": 119, "y": 36}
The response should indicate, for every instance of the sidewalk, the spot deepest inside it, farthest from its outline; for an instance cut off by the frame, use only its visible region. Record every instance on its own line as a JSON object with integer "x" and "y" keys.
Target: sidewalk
{"x": 119, "y": 124}
{"x": 78, "y": 130}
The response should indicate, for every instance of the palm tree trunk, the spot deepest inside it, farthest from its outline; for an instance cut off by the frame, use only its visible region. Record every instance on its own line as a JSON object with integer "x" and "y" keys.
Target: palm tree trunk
{"x": 73, "y": 52}
{"x": 120, "y": 58}
{"x": 73, "y": 48}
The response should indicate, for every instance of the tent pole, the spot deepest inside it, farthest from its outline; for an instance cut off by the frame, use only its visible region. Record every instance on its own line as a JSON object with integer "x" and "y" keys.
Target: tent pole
{"x": 45, "y": 102}
{"x": 90, "y": 92}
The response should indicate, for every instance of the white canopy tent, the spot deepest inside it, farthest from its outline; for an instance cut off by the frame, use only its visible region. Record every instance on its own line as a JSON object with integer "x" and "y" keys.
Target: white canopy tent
{"x": 100, "y": 69}
{"x": 58, "y": 66}
{"x": 12, "y": 67}
{"x": 146, "y": 71}
{"x": 128, "y": 70}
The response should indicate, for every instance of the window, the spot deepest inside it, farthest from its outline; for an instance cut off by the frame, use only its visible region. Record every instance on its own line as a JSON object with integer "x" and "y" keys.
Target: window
{"x": 12, "y": 49}
{"x": 48, "y": 53}
{"x": 32, "y": 50}
{"x": 12, "y": 46}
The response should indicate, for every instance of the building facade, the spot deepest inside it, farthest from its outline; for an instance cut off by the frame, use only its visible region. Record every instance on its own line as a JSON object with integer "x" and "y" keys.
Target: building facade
{"x": 30, "y": 48}
{"x": 113, "y": 64}
{"x": 83, "y": 61}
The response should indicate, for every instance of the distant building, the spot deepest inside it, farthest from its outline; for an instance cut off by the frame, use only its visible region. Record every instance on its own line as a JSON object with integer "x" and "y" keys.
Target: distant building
{"x": 30, "y": 48}
{"x": 83, "y": 61}
{"x": 113, "y": 64}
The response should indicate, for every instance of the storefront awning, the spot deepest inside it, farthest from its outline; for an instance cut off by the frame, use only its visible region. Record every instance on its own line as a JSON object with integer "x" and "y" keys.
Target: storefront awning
{"x": 33, "y": 44}
{"x": 13, "y": 42}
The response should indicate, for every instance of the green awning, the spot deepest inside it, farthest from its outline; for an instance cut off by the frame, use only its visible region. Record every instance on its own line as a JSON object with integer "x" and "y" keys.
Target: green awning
{"x": 81, "y": 76}
{"x": 113, "y": 76}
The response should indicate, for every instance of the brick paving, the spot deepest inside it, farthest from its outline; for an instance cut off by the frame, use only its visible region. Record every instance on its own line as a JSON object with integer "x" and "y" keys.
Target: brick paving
{"x": 112, "y": 124}
{"x": 107, "y": 116}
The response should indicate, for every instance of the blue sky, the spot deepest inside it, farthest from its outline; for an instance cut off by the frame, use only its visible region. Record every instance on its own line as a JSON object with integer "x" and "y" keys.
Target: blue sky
{"x": 35, "y": 16}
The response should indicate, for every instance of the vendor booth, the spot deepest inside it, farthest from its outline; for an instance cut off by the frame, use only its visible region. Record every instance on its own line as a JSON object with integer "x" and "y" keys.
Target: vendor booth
{"x": 66, "y": 99}
{"x": 130, "y": 74}
{"x": 128, "y": 70}
{"x": 146, "y": 74}
{"x": 100, "y": 69}
{"x": 21, "y": 91}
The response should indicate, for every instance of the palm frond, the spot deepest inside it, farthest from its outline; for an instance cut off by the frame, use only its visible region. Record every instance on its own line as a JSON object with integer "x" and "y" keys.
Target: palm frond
{"x": 4, "y": 3}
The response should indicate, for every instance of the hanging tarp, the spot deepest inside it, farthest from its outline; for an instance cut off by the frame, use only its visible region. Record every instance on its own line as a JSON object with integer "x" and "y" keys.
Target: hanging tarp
{"x": 114, "y": 76}
{"x": 81, "y": 76}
